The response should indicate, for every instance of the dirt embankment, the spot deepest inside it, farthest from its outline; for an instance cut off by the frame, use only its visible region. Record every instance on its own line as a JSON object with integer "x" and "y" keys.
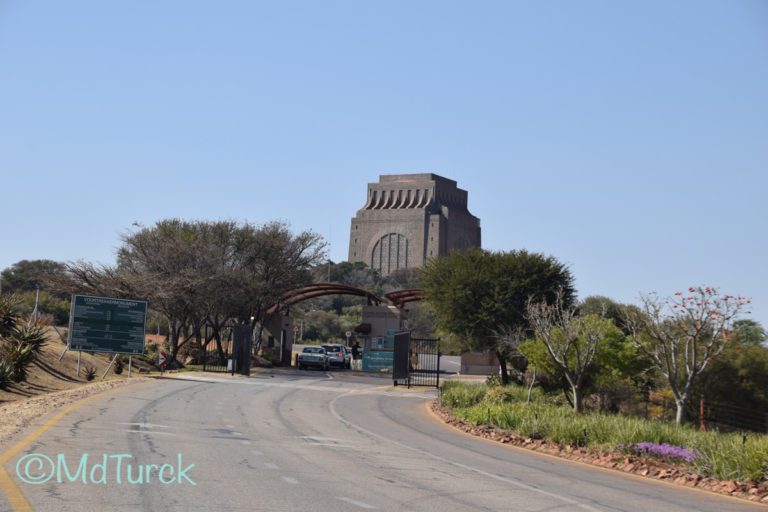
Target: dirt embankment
{"x": 53, "y": 382}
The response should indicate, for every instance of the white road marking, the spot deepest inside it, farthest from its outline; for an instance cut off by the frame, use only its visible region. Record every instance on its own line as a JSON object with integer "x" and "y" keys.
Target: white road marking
{"x": 358, "y": 503}
{"x": 237, "y": 433}
{"x": 145, "y": 425}
{"x": 326, "y": 441}
{"x": 230, "y": 426}
{"x": 245, "y": 442}
{"x": 332, "y": 408}
{"x": 329, "y": 375}
{"x": 270, "y": 465}
{"x": 290, "y": 480}
{"x": 150, "y": 433}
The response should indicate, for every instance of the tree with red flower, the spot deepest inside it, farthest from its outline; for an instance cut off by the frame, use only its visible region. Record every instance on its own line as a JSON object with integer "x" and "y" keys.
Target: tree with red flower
{"x": 681, "y": 335}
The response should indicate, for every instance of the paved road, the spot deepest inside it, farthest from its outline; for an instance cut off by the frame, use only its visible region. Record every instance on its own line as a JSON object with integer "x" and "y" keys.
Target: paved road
{"x": 306, "y": 441}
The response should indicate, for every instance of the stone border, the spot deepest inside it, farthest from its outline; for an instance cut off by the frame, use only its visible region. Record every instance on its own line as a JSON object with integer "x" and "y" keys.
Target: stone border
{"x": 641, "y": 466}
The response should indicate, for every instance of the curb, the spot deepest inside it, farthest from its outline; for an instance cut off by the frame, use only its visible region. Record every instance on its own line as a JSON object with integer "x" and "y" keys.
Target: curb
{"x": 756, "y": 494}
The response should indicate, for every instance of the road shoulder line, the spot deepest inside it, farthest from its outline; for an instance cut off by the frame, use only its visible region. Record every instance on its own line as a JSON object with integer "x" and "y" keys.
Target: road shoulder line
{"x": 16, "y": 498}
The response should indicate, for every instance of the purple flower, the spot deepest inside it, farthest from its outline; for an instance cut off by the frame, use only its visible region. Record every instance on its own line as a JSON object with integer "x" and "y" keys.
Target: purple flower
{"x": 664, "y": 450}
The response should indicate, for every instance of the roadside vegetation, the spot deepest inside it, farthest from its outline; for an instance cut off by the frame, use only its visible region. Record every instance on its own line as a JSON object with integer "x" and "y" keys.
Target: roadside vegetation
{"x": 724, "y": 456}
{"x": 21, "y": 340}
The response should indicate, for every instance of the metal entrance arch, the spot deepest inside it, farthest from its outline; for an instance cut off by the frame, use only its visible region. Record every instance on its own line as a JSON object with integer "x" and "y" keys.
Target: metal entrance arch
{"x": 416, "y": 361}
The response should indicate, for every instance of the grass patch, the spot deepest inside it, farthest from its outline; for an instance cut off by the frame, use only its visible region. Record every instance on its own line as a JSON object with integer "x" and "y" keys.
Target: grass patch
{"x": 724, "y": 456}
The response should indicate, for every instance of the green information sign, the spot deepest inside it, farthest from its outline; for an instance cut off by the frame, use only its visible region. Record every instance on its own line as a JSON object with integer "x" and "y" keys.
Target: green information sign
{"x": 374, "y": 361}
{"x": 104, "y": 324}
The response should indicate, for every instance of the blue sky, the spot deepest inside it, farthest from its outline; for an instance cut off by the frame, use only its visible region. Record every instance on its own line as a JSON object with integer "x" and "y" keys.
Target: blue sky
{"x": 628, "y": 139}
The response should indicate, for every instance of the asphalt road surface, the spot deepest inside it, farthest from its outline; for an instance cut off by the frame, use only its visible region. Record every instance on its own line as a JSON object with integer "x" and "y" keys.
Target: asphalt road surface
{"x": 304, "y": 441}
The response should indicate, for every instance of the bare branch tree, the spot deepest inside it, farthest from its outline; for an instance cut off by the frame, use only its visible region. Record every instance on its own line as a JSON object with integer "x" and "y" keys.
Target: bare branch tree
{"x": 572, "y": 341}
{"x": 681, "y": 335}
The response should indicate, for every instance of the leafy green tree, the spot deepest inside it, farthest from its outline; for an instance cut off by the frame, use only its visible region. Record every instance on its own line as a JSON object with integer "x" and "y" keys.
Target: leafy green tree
{"x": 474, "y": 293}
{"x": 606, "y": 307}
{"x": 48, "y": 304}
{"x": 29, "y": 275}
{"x": 738, "y": 378}
{"x": 749, "y": 332}
{"x": 323, "y": 326}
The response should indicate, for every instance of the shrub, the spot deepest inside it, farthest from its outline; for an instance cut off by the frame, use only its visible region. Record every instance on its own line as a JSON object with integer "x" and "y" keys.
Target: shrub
{"x": 722, "y": 456}
{"x": 90, "y": 372}
{"x": 6, "y": 374}
{"x": 32, "y": 333}
{"x": 19, "y": 356}
{"x": 117, "y": 367}
{"x": 498, "y": 395}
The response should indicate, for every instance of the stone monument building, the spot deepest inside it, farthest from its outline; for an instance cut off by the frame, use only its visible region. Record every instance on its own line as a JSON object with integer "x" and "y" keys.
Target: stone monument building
{"x": 409, "y": 218}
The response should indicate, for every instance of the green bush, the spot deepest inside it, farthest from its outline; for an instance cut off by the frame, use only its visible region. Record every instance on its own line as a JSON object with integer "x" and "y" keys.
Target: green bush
{"x": 19, "y": 356}
{"x": 725, "y": 456}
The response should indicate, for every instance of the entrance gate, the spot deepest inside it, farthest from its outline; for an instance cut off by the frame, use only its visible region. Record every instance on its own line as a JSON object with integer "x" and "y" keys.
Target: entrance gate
{"x": 416, "y": 361}
{"x": 232, "y": 355}
{"x": 216, "y": 355}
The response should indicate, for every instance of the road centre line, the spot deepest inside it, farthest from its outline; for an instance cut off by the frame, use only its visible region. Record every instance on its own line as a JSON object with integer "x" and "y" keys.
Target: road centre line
{"x": 150, "y": 433}
{"x": 145, "y": 425}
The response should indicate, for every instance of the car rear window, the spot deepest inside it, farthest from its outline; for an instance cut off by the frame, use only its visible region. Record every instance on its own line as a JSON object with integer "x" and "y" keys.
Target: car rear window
{"x": 313, "y": 350}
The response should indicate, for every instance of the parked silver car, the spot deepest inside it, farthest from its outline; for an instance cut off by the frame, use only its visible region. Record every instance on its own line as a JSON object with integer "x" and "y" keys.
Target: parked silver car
{"x": 312, "y": 356}
{"x": 338, "y": 355}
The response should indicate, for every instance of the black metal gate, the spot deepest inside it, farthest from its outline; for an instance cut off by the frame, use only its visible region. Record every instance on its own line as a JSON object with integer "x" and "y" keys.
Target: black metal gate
{"x": 218, "y": 354}
{"x": 416, "y": 361}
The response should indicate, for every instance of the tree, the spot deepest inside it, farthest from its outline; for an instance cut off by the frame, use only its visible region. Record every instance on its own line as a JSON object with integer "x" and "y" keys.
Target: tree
{"x": 749, "y": 332}
{"x": 199, "y": 273}
{"x": 572, "y": 341}
{"x": 616, "y": 369}
{"x": 738, "y": 378}
{"x": 29, "y": 275}
{"x": 682, "y": 334}
{"x": 475, "y": 293}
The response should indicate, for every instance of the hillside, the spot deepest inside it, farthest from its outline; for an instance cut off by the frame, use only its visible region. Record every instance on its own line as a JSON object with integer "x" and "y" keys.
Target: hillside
{"x": 48, "y": 375}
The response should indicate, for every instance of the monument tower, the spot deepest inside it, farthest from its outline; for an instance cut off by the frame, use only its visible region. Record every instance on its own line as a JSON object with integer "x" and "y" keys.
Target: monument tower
{"x": 409, "y": 218}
